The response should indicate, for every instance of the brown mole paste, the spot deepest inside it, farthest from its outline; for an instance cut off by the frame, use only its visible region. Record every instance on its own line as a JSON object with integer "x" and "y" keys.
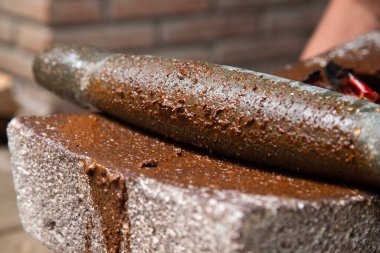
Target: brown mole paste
{"x": 123, "y": 150}
{"x": 108, "y": 193}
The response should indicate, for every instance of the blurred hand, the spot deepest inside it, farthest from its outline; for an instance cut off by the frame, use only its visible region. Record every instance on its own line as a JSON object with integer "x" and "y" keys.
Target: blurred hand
{"x": 373, "y": 5}
{"x": 342, "y": 21}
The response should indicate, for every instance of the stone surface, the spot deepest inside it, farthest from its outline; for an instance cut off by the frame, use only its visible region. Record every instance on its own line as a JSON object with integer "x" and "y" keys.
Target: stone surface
{"x": 12, "y": 237}
{"x": 86, "y": 183}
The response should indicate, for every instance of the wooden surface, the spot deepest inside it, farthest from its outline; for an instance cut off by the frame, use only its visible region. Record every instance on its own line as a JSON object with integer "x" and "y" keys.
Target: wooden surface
{"x": 12, "y": 238}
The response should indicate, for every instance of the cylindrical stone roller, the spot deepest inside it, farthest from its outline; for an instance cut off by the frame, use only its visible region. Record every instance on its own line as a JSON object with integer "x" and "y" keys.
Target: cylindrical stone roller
{"x": 242, "y": 114}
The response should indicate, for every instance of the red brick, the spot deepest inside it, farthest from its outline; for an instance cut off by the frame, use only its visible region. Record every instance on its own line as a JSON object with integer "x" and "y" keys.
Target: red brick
{"x": 16, "y": 61}
{"x": 6, "y": 30}
{"x": 270, "y": 65}
{"x": 190, "y": 52}
{"x": 207, "y": 28}
{"x": 295, "y": 18}
{"x": 248, "y": 3}
{"x": 39, "y": 10}
{"x": 113, "y": 36}
{"x": 153, "y": 8}
{"x": 76, "y": 11}
{"x": 34, "y": 37}
{"x": 50, "y": 11}
{"x": 253, "y": 50}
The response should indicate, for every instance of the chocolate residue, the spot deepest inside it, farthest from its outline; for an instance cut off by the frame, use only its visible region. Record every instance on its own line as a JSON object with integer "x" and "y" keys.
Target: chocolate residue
{"x": 178, "y": 151}
{"x": 108, "y": 192}
{"x": 151, "y": 163}
{"x": 94, "y": 136}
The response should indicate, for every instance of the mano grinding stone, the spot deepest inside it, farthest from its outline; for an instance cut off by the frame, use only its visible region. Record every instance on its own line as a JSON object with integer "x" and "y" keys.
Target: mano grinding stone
{"x": 86, "y": 183}
{"x": 243, "y": 114}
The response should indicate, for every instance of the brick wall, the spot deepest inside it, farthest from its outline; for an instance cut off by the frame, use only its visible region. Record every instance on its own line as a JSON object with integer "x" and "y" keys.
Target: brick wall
{"x": 256, "y": 34}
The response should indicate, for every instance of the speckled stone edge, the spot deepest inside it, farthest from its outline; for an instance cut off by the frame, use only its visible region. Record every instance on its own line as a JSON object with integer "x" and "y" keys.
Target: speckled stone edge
{"x": 55, "y": 206}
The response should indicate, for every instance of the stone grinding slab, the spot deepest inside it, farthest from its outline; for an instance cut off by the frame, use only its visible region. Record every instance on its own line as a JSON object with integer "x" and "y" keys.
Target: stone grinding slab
{"x": 86, "y": 183}
{"x": 242, "y": 114}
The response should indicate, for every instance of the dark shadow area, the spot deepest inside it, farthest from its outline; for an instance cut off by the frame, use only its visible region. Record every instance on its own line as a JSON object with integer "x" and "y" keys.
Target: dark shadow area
{"x": 3, "y": 126}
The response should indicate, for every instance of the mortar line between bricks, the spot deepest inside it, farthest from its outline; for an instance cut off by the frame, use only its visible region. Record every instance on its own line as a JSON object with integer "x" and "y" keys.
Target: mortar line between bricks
{"x": 131, "y": 20}
{"x": 157, "y": 32}
{"x": 106, "y": 23}
{"x": 18, "y": 19}
{"x": 105, "y": 10}
{"x": 213, "y": 6}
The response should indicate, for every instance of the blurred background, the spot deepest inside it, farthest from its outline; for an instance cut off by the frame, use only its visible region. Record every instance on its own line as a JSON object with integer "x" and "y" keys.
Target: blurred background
{"x": 255, "y": 34}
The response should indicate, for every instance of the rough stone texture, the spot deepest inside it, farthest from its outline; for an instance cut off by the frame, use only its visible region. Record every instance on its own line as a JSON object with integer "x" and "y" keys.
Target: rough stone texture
{"x": 12, "y": 237}
{"x": 84, "y": 180}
